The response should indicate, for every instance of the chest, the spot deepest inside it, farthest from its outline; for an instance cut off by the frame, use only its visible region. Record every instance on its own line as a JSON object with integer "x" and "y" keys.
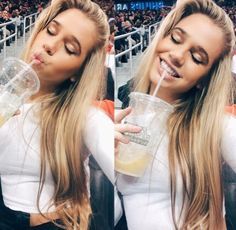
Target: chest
{"x": 20, "y": 147}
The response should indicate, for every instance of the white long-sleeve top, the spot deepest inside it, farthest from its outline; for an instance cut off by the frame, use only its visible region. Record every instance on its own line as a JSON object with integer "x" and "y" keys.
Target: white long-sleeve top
{"x": 20, "y": 158}
{"x": 147, "y": 200}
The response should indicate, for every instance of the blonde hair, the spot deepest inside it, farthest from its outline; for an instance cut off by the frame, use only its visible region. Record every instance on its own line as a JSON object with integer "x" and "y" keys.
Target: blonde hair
{"x": 195, "y": 127}
{"x": 62, "y": 118}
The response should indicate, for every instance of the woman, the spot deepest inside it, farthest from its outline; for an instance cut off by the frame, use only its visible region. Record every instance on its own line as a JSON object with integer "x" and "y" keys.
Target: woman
{"x": 181, "y": 188}
{"x": 44, "y": 160}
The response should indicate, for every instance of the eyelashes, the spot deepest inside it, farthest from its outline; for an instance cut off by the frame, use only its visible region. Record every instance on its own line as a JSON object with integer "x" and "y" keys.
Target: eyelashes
{"x": 70, "y": 52}
{"x": 52, "y": 32}
{"x": 196, "y": 60}
{"x": 176, "y": 39}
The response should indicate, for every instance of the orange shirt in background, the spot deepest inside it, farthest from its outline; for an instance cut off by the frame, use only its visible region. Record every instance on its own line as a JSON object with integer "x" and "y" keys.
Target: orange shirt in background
{"x": 231, "y": 109}
{"x": 107, "y": 106}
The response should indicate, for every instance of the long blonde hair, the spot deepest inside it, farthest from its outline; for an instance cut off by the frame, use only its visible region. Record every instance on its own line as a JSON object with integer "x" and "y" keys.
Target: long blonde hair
{"x": 62, "y": 118}
{"x": 195, "y": 127}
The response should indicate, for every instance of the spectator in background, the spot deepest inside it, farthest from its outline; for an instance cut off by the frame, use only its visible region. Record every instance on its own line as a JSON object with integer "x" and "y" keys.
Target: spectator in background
{"x": 19, "y": 22}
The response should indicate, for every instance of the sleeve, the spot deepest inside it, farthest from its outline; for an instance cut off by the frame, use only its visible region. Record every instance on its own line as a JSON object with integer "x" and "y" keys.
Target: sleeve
{"x": 99, "y": 139}
{"x": 229, "y": 142}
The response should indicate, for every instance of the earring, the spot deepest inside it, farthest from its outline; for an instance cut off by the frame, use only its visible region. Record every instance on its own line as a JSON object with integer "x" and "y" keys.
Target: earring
{"x": 72, "y": 79}
{"x": 199, "y": 86}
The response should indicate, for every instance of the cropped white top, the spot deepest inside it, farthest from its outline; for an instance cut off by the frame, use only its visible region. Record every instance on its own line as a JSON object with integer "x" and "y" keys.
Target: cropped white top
{"x": 20, "y": 158}
{"x": 147, "y": 200}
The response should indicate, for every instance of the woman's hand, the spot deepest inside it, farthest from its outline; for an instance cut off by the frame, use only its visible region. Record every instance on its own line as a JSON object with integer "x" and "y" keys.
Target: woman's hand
{"x": 122, "y": 128}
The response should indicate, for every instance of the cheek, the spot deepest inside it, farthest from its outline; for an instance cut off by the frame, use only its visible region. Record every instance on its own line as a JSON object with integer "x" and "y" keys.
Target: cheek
{"x": 63, "y": 70}
{"x": 68, "y": 67}
{"x": 39, "y": 40}
{"x": 163, "y": 46}
{"x": 198, "y": 73}
{"x": 68, "y": 62}
{"x": 193, "y": 79}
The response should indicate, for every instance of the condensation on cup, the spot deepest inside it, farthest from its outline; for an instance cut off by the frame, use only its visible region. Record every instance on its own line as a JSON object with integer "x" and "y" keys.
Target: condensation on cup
{"x": 18, "y": 81}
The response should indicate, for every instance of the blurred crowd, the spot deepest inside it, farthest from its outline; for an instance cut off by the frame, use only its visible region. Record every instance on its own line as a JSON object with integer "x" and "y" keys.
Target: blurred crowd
{"x": 120, "y": 22}
{"x": 128, "y": 21}
{"x": 17, "y": 9}
{"x": 12, "y": 8}
{"x": 231, "y": 11}
{"x": 108, "y": 7}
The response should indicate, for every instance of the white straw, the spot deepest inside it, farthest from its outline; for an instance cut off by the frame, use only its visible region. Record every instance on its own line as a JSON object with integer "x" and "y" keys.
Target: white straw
{"x": 159, "y": 83}
{"x": 32, "y": 62}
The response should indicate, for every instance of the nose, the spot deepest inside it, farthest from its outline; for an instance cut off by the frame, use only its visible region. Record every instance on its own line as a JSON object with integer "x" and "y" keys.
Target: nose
{"x": 50, "y": 47}
{"x": 177, "y": 56}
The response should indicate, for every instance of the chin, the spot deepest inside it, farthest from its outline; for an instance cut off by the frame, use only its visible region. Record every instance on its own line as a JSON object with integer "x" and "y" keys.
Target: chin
{"x": 154, "y": 78}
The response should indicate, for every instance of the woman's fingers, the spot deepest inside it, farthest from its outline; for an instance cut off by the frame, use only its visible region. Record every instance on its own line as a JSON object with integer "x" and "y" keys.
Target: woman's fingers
{"x": 121, "y": 114}
{"x": 119, "y": 137}
{"x": 127, "y": 128}
{"x": 122, "y": 128}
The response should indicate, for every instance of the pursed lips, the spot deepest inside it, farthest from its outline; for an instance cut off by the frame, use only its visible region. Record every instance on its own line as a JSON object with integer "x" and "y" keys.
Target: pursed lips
{"x": 38, "y": 59}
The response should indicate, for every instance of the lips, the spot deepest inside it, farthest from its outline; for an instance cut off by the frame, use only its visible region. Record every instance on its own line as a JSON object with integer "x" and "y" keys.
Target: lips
{"x": 172, "y": 72}
{"x": 37, "y": 58}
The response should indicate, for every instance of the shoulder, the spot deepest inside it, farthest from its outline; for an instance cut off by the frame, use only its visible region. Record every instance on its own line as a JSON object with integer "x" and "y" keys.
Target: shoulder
{"x": 106, "y": 106}
{"x": 98, "y": 121}
{"x": 97, "y": 114}
{"x": 229, "y": 127}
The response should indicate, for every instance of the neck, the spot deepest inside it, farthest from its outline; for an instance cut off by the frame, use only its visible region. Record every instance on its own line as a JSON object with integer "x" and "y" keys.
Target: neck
{"x": 45, "y": 89}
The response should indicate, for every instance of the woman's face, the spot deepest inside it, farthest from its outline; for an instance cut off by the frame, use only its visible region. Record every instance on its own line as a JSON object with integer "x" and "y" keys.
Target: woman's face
{"x": 186, "y": 54}
{"x": 60, "y": 49}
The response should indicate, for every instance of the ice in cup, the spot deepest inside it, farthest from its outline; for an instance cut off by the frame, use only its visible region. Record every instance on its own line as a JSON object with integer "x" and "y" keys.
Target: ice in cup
{"x": 18, "y": 81}
{"x": 150, "y": 113}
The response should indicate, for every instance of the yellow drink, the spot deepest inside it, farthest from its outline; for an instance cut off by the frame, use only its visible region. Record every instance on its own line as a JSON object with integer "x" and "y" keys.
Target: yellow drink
{"x": 134, "y": 166}
{"x": 2, "y": 120}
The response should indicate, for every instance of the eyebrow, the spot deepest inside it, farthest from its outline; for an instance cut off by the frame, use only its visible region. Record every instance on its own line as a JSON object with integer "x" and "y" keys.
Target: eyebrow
{"x": 72, "y": 37}
{"x": 197, "y": 48}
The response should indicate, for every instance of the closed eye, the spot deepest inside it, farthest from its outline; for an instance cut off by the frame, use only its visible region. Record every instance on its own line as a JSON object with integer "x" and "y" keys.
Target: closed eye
{"x": 50, "y": 31}
{"x": 197, "y": 59}
{"x": 70, "y": 49}
{"x": 71, "y": 44}
{"x": 176, "y": 37}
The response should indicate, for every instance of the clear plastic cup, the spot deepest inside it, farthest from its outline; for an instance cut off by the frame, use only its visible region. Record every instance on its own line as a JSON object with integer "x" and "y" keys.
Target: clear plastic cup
{"x": 150, "y": 113}
{"x": 18, "y": 81}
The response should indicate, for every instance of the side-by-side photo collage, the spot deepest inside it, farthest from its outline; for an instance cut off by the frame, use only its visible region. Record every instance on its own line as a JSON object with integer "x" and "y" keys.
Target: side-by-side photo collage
{"x": 117, "y": 115}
